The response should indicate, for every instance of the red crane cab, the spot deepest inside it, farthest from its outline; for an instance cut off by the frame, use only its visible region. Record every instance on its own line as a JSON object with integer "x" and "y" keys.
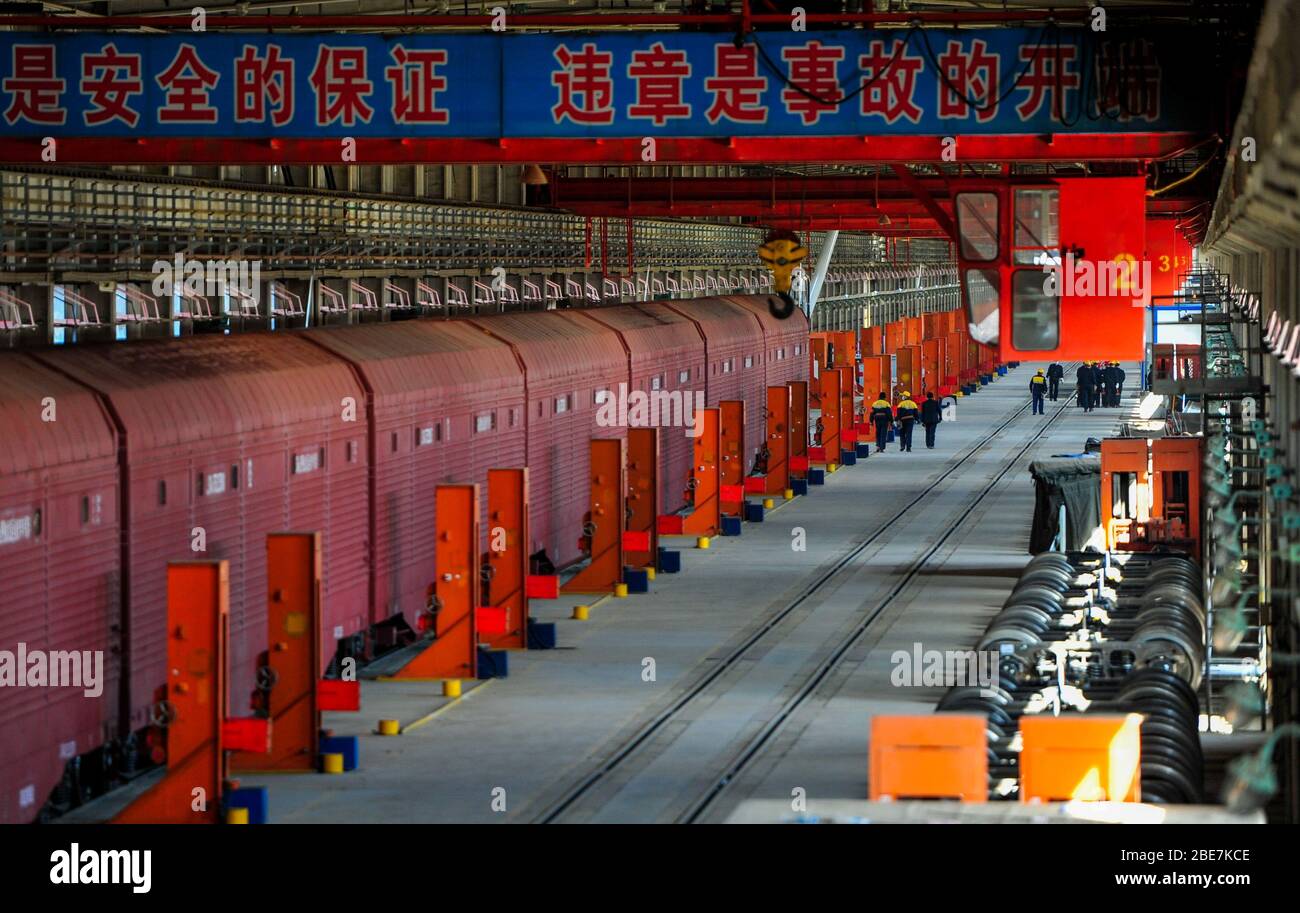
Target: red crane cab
{"x": 1055, "y": 269}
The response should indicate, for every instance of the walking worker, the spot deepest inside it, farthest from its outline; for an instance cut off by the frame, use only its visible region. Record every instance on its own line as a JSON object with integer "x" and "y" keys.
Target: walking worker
{"x": 881, "y": 415}
{"x": 1084, "y": 379}
{"x": 931, "y": 416}
{"x": 1111, "y": 377}
{"x": 908, "y": 412}
{"x": 1055, "y": 371}
{"x": 1038, "y": 390}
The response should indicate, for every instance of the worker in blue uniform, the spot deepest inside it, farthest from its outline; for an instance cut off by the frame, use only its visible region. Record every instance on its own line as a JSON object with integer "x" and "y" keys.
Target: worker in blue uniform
{"x": 1098, "y": 383}
{"x": 1055, "y": 371}
{"x": 907, "y": 414}
{"x": 1038, "y": 390}
{"x": 882, "y": 414}
{"x": 1119, "y": 383}
{"x": 931, "y": 416}
{"x": 1083, "y": 377}
{"x": 1110, "y": 374}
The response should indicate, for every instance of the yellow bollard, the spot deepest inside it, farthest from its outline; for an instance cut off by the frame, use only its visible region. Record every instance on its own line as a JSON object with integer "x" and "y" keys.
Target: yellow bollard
{"x": 649, "y": 573}
{"x": 789, "y": 494}
{"x": 702, "y": 542}
{"x": 768, "y": 503}
{"x": 451, "y": 688}
{"x": 240, "y": 815}
{"x": 620, "y": 590}
{"x": 580, "y": 612}
{"x": 831, "y": 467}
{"x": 389, "y": 727}
{"x": 332, "y": 762}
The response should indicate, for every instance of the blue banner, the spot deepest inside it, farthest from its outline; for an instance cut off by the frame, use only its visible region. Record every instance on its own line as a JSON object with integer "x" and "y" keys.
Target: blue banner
{"x": 845, "y": 83}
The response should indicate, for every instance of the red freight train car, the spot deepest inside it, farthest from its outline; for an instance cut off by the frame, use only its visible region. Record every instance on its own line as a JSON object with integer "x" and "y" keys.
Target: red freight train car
{"x": 227, "y": 439}
{"x": 666, "y": 353}
{"x": 446, "y": 404}
{"x": 239, "y": 436}
{"x": 567, "y": 359}
{"x": 735, "y": 361}
{"x": 59, "y": 530}
{"x": 784, "y": 341}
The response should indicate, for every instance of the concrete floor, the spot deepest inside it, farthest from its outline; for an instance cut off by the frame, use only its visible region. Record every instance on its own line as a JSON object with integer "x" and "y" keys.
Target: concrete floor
{"x": 512, "y": 747}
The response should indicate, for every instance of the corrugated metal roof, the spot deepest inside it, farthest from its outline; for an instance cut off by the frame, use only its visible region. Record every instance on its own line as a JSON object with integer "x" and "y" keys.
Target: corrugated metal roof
{"x": 81, "y": 431}
{"x": 175, "y": 392}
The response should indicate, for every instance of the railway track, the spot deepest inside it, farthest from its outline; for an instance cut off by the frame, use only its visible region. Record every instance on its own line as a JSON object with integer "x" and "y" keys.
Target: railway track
{"x": 703, "y": 689}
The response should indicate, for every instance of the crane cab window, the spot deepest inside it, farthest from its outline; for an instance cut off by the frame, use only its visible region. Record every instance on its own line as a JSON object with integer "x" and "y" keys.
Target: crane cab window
{"x": 977, "y": 225}
{"x": 1035, "y": 312}
{"x": 1037, "y": 236}
{"x": 982, "y": 304}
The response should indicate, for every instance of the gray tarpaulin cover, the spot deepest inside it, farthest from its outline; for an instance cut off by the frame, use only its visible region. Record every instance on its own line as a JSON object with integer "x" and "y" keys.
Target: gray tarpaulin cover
{"x": 1074, "y": 482}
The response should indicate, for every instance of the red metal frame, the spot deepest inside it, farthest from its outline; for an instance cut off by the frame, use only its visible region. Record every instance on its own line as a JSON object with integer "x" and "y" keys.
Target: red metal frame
{"x": 642, "y": 496}
{"x": 705, "y": 517}
{"x": 828, "y": 449}
{"x": 798, "y": 428}
{"x": 293, "y": 587}
{"x": 1094, "y": 147}
{"x": 454, "y": 652}
{"x": 777, "y": 479}
{"x": 508, "y": 581}
{"x": 194, "y": 705}
{"x": 607, "y": 518}
{"x": 731, "y": 465}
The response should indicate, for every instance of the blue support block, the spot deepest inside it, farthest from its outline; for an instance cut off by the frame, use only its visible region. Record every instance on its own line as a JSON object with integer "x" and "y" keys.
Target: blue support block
{"x": 799, "y": 486}
{"x": 754, "y": 511}
{"x": 253, "y": 798}
{"x": 816, "y": 476}
{"x": 848, "y": 457}
{"x": 731, "y": 526}
{"x": 1002, "y": 370}
{"x": 637, "y": 580}
{"x": 864, "y": 449}
{"x": 541, "y": 635}
{"x": 670, "y": 560}
{"x": 493, "y": 663}
{"x": 347, "y": 745}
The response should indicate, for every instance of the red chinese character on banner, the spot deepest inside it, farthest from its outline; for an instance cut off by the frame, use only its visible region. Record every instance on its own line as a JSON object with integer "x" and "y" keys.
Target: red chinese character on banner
{"x": 658, "y": 74}
{"x": 813, "y": 70}
{"x": 110, "y": 79}
{"x": 586, "y": 89}
{"x": 416, "y": 85}
{"x": 339, "y": 79}
{"x": 889, "y": 81}
{"x": 1048, "y": 74}
{"x": 35, "y": 89}
{"x": 1128, "y": 80}
{"x": 186, "y": 83}
{"x": 969, "y": 76}
{"x": 263, "y": 85}
{"x": 736, "y": 86}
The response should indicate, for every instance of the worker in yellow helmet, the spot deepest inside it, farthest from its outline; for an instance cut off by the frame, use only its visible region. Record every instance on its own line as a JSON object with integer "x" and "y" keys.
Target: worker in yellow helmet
{"x": 1085, "y": 384}
{"x": 882, "y": 414}
{"x": 907, "y": 414}
{"x": 1038, "y": 390}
